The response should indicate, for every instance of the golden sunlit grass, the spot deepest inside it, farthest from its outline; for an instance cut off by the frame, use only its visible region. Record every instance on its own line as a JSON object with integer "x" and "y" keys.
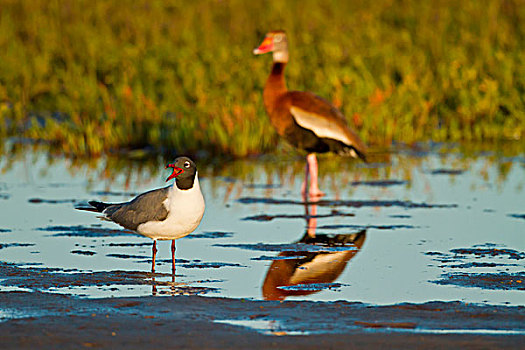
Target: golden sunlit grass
{"x": 93, "y": 77}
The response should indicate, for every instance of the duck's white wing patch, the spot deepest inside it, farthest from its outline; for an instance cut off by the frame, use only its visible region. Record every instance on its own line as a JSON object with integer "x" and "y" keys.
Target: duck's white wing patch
{"x": 320, "y": 126}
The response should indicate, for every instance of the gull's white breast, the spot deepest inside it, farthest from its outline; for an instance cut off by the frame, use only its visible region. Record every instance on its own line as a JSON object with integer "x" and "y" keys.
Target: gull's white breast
{"x": 185, "y": 211}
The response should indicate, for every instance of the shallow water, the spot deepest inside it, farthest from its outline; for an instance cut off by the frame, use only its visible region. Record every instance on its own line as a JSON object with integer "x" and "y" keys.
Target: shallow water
{"x": 408, "y": 227}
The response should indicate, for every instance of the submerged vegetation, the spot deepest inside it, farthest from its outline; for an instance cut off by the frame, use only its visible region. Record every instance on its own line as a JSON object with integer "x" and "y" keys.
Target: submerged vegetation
{"x": 92, "y": 77}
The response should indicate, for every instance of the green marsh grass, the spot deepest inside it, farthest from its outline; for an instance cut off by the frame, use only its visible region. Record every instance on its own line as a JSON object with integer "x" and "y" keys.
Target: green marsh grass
{"x": 99, "y": 76}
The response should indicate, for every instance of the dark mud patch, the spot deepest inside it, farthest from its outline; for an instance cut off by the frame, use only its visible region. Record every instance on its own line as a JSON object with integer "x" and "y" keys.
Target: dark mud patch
{"x": 13, "y": 245}
{"x": 347, "y": 203}
{"x": 140, "y": 244}
{"x": 312, "y": 287}
{"x": 180, "y": 290}
{"x": 83, "y": 252}
{"x": 365, "y": 227}
{"x": 489, "y": 252}
{"x": 517, "y": 216}
{"x": 476, "y": 264}
{"x": 84, "y": 231}
{"x": 447, "y": 171}
{"x": 5, "y": 230}
{"x": 380, "y": 183}
{"x": 50, "y": 201}
{"x": 460, "y": 254}
{"x": 266, "y": 217}
{"x": 210, "y": 235}
{"x": 128, "y": 256}
{"x": 210, "y": 265}
{"x": 5, "y": 196}
{"x": 272, "y": 258}
{"x": 493, "y": 281}
{"x": 484, "y": 256}
{"x": 293, "y": 247}
{"x": 42, "y": 279}
{"x": 400, "y": 216}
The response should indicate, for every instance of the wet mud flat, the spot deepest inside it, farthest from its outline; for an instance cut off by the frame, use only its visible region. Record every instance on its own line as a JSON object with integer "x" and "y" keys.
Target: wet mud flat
{"x": 31, "y": 316}
{"x": 150, "y": 322}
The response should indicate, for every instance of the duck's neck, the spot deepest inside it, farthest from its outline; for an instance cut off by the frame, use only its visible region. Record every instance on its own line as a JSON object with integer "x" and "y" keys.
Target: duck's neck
{"x": 275, "y": 86}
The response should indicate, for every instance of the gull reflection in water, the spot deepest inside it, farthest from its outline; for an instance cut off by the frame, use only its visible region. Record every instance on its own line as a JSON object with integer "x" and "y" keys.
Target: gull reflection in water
{"x": 299, "y": 273}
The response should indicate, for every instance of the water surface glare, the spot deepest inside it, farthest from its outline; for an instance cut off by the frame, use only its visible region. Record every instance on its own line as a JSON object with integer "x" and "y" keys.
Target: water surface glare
{"x": 413, "y": 228}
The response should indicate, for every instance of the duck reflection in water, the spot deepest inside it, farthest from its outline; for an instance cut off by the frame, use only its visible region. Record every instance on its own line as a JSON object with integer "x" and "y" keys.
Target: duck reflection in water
{"x": 310, "y": 268}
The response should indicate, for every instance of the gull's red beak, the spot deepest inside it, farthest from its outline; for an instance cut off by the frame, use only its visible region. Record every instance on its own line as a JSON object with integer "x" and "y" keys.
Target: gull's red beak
{"x": 176, "y": 171}
{"x": 266, "y": 46}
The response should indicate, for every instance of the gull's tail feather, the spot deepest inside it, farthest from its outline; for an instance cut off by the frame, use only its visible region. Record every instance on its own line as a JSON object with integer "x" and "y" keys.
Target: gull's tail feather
{"x": 97, "y": 207}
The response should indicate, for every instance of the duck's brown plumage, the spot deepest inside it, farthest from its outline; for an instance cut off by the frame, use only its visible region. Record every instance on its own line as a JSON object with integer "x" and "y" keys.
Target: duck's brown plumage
{"x": 304, "y": 119}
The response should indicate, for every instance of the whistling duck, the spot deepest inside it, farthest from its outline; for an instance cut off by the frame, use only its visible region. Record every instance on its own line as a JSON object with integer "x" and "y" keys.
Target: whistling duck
{"x": 167, "y": 213}
{"x": 304, "y": 119}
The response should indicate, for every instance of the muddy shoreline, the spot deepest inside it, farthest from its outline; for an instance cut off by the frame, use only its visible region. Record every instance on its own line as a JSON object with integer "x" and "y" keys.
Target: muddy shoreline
{"x": 50, "y": 320}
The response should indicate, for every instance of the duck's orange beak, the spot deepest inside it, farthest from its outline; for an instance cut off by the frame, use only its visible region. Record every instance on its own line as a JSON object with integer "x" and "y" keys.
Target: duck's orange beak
{"x": 266, "y": 46}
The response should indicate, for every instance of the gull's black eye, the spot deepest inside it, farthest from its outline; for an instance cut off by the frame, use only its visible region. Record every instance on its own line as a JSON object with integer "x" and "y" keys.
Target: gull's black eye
{"x": 187, "y": 164}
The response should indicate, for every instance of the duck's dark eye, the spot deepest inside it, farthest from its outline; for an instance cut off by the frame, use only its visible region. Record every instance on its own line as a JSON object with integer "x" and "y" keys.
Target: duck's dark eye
{"x": 187, "y": 164}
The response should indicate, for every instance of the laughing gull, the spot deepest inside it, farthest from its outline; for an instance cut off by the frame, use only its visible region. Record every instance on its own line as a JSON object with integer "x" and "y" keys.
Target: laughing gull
{"x": 166, "y": 213}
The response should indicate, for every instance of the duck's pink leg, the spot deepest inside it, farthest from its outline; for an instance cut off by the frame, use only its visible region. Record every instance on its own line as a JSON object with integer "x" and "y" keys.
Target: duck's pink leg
{"x": 314, "y": 190}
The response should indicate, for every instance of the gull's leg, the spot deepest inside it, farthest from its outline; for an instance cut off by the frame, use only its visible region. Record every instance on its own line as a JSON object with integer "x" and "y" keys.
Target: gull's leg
{"x": 173, "y": 257}
{"x": 154, "y": 251}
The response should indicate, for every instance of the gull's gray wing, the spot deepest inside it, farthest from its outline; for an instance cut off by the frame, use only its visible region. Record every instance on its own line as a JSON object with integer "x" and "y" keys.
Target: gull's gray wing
{"x": 148, "y": 206}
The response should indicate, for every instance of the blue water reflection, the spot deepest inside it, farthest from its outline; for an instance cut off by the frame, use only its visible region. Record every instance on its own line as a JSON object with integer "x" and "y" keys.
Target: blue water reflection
{"x": 409, "y": 205}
